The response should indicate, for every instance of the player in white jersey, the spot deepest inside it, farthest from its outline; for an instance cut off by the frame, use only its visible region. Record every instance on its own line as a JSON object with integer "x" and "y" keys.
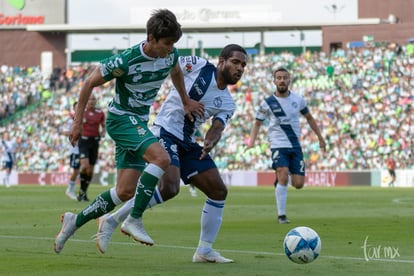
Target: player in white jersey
{"x": 283, "y": 109}
{"x": 74, "y": 159}
{"x": 191, "y": 162}
{"x": 8, "y": 148}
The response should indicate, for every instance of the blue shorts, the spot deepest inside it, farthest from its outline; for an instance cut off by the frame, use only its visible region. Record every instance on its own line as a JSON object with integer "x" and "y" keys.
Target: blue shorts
{"x": 7, "y": 165}
{"x": 185, "y": 155}
{"x": 74, "y": 161}
{"x": 289, "y": 157}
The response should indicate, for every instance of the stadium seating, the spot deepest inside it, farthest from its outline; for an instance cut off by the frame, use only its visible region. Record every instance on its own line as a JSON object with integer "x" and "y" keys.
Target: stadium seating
{"x": 362, "y": 98}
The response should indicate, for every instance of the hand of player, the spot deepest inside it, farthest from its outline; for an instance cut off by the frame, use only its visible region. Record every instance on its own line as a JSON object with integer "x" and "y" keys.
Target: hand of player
{"x": 75, "y": 133}
{"x": 195, "y": 107}
{"x": 208, "y": 146}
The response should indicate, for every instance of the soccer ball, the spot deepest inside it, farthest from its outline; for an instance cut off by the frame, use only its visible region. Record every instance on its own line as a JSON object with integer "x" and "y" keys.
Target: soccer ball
{"x": 302, "y": 245}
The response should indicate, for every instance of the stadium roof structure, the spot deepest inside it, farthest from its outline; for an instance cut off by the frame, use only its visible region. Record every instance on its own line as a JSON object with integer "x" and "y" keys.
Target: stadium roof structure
{"x": 201, "y": 27}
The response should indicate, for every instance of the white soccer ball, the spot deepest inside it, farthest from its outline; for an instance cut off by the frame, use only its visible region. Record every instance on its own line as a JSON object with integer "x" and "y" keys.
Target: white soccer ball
{"x": 302, "y": 245}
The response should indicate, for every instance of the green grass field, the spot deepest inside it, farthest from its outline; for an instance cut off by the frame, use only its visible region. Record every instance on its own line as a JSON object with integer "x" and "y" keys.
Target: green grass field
{"x": 364, "y": 231}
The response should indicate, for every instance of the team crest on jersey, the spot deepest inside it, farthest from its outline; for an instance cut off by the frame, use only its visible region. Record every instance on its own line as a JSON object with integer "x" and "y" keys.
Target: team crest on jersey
{"x": 189, "y": 67}
{"x": 218, "y": 102}
{"x": 169, "y": 60}
{"x": 295, "y": 105}
{"x": 117, "y": 72}
{"x": 141, "y": 131}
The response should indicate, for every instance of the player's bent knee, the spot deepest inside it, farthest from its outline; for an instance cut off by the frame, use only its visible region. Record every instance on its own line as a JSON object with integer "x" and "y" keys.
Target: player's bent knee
{"x": 298, "y": 185}
{"x": 125, "y": 194}
{"x": 163, "y": 162}
{"x": 169, "y": 191}
{"x": 218, "y": 194}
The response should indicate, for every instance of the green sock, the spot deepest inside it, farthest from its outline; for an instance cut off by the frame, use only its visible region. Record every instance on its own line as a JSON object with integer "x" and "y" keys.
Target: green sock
{"x": 145, "y": 189}
{"x": 101, "y": 205}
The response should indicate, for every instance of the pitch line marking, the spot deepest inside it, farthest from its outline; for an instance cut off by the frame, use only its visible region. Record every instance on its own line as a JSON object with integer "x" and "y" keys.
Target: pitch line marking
{"x": 403, "y": 200}
{"x": 221, "y": 250}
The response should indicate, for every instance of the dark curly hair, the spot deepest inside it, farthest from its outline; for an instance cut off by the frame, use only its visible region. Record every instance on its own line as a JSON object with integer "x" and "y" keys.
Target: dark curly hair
{"x": 228, "y": 50}
{"x": 163, "y": 23}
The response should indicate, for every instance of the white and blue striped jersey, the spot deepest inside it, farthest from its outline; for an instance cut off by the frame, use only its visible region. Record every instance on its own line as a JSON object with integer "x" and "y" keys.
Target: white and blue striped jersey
{"x": 8, "y": 148}
{"x": 71, "y": 149}
{"x": 200, "y": 83}
{"x": 283, "y": 115}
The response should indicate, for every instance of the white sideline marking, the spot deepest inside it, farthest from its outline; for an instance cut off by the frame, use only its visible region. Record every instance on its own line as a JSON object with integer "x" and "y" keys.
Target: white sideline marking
{"x": 221, "y": 250}
{"x": 403, "y": 200}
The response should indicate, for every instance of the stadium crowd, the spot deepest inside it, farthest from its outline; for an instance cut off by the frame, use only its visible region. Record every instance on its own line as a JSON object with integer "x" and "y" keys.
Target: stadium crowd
{"x": 362, "y": 98}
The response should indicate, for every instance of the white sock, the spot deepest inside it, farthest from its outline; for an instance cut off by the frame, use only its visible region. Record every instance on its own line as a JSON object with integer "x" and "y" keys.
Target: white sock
{"x": 114, "y": 196}
{"x": 281, "y": 198}
{"x": 121, "y": 214}
{"x": 155, "y": 199}
{"x": 7, "y": 180}
{"x": 211, "y": 218}
{"x": 71, "y": 186}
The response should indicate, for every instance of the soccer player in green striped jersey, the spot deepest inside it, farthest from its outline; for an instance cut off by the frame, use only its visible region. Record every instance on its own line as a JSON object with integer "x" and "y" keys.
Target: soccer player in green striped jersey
{"x": 140, "y": 159}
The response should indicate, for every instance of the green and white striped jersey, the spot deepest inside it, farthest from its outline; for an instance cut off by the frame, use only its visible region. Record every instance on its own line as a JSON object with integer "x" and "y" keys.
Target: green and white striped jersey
{"x": 138, "y": 79}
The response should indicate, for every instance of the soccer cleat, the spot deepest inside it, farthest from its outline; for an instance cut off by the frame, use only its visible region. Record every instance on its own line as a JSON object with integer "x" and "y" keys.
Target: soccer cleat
{"x": 105, "y": 231}
{"x": 85, "y": 197}
{"x": 82, "y": 197}
{"x": 71, "y": 195}
{"x": 68, "y": 229}
{"x": 283, "y": 219}
{"x": 211, "y": 257}
{"x": 133, "y": 227}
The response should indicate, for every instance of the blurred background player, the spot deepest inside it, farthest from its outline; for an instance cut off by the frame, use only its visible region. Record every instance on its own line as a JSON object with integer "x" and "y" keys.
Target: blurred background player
{"x": 391, "y": 170}
{"x": 8, "y": 148}
{"x": 191, "y": 162}
{"x": 283, "y": 109}
{"x": 93, "y": 128}
{"x": 74, "y": 161}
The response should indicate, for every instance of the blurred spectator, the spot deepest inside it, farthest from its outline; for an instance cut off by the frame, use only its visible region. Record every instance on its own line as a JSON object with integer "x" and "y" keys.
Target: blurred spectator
{"x": 364, "y": 103}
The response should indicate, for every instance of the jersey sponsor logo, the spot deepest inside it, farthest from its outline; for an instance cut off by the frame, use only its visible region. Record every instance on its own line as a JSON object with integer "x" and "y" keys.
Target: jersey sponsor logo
{"x": 198, "y": 89}
{"x": 136, "y": 78}
{"x": 115, "y": 63}
{"x": 153, "y": 76}
{"x": 162, "y": 142}
{"x": 174, "y": 148}
{"x": 189, "y": 59}
{"x": 275, "y": 107}
{"x": 135, "y": 68}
